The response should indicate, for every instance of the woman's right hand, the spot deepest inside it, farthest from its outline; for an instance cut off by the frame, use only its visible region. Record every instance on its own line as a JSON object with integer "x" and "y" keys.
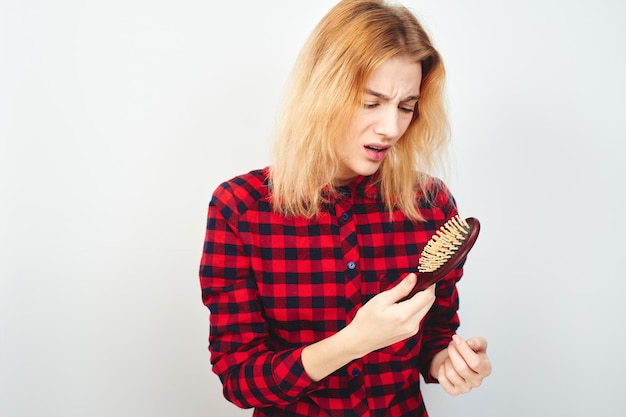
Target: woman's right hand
{"x": 381, "y": 322}
{"x": 384, "y": 320}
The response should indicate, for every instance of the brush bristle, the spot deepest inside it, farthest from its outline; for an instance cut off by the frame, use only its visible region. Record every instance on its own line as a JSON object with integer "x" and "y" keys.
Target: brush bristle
{"x": 444, "y": 244}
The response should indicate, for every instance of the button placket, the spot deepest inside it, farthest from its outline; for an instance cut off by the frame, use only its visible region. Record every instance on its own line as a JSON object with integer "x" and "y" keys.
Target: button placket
{"x": 350, "y": 252}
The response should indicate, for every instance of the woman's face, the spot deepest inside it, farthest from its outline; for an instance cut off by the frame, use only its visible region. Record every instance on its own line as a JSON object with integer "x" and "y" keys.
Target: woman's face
{"x": 385, "y": 112}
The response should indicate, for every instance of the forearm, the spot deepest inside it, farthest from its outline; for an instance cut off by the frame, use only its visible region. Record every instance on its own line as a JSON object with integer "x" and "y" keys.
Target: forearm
{"x": 265, "y": 379}
{"x": 255, "y": 377}
{"x": 322, "y": 358}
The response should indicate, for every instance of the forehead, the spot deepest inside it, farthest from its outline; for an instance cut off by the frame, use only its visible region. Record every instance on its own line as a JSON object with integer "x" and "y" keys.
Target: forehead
{"x": 396, "y": 76}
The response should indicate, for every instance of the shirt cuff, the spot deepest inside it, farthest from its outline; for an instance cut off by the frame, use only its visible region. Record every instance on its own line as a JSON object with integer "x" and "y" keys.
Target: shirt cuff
{"x": 428, "y": 377}
{"x": 290, "y": 376}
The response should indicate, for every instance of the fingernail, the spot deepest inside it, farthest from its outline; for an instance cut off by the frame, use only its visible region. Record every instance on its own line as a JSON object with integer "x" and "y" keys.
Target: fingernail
{"x": 457, "y": 339}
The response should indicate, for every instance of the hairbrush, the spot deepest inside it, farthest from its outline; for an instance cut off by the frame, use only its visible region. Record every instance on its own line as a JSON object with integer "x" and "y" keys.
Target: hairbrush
{"x": 445, "y": 251}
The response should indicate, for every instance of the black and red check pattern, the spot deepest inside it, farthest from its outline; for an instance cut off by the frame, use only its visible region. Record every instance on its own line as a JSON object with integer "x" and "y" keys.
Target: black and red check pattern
{"x": 274, "y": 284}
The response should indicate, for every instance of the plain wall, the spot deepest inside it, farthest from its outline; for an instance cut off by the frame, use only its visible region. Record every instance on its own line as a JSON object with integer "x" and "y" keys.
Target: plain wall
{"x": 119, "y": 118}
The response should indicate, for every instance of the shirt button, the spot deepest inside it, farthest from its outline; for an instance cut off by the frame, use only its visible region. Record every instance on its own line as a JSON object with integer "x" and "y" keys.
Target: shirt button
{"x": 345, "y": 217}
{"x": 356, "y": 372}
{"x": 351, "y": 265}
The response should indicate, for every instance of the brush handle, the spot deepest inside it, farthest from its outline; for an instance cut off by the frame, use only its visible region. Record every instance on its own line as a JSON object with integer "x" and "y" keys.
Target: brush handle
{"x": 426, "y": 279}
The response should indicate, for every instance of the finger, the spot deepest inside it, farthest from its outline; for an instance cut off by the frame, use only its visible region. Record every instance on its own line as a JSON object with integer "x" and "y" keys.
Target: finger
{"x": 471, "y": 366}
{"x": 476, "y": 359}
{"x": 453, "y": 375}
{"x": 461, "y": 355}
{"x": 478, "y": 344}
{"x": 422, "y": 300}
{"x": 444, "y": 381}
{"x": 430, "y": 290}
{"x": 463, "y": 347}
{"x": 401, "y": 290}
{"x": 450, "y": 380}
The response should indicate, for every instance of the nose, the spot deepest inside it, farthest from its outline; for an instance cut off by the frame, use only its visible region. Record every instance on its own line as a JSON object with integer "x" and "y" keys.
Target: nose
{"x": 389, "y": 124}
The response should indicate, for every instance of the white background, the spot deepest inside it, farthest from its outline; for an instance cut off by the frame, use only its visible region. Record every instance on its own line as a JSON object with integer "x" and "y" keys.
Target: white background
{"x": 119, "y": 118}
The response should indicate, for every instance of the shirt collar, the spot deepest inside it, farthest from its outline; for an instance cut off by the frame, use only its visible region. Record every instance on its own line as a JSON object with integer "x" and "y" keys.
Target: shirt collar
{"x": 365, "y": 186}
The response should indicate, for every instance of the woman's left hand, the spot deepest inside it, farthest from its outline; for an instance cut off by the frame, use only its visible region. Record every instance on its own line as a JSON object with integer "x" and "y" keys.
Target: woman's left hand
{"x": 463, "y": 365}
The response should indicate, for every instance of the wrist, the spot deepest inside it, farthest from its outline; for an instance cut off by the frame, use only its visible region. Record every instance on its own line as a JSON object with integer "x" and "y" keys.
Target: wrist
{"x": 438, "y": 360}
{"x": 322, "y": 358}
{"x": 353, "y": 346}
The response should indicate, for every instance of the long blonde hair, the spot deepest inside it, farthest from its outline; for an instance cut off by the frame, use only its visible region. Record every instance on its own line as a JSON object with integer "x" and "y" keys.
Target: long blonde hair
{"x": 326, "y": 87}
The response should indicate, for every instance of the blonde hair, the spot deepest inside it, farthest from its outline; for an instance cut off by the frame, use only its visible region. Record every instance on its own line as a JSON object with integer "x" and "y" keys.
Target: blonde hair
{"x": 326, "y": 87}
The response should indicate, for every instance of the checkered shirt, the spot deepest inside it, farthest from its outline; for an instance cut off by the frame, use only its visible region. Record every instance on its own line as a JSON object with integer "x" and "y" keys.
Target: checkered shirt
{"x": 275, "y": 284}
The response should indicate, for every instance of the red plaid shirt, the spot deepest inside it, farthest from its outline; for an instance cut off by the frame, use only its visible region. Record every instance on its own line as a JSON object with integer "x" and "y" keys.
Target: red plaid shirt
{"x": 274, "y": 284}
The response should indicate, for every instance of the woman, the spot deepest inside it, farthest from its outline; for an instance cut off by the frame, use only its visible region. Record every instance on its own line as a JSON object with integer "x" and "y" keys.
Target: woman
{"x": 306, "y": 262}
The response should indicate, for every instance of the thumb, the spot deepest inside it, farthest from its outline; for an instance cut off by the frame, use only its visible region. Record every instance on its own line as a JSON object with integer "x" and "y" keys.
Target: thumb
{"x": 478, "y": 344}
{"x": 402, "y": 289}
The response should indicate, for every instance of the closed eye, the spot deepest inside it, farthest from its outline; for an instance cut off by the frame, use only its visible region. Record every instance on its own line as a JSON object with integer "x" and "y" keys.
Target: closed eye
{"x": 408, "y": 108}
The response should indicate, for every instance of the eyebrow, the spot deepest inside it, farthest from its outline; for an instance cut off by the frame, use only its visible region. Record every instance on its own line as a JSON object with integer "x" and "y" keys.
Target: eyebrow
{"x": 387, "y": 98}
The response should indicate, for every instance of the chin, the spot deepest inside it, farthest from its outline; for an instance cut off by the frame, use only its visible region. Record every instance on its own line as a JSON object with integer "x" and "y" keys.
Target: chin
{"x": 370, "y": 170}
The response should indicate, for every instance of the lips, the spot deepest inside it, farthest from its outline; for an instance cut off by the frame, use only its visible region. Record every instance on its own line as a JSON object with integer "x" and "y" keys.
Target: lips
{"x": 376, "y": 152}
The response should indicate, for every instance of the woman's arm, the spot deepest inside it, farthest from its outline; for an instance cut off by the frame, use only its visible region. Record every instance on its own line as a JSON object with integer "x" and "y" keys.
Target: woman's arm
{"x": 379, "y": 323}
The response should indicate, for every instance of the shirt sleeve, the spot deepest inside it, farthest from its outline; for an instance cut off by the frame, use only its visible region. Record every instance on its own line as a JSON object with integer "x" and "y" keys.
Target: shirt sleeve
{"x": 442, "y": 321}
{"x": 253, "y": 374}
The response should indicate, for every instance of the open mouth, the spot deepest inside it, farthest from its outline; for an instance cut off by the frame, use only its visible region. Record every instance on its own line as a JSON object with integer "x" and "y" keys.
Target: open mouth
{"x": 376, "y": 149}
{"x": 376, "y": 153}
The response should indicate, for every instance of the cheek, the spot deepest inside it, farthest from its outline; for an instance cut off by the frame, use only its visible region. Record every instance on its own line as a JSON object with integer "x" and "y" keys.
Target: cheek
{"x": 352, "y": 138}
{"x": 405, "y": 126}
{"x": 343, "y": 148}
{"x": 359, "y": 124}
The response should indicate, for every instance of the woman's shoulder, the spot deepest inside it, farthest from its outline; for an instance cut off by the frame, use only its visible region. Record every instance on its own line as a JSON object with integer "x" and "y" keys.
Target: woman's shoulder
{"x": 434, "y": 193}
{"x": 245, "y": 188}
{"x": 250, "y": 180}
{"x": 432, "y": 185}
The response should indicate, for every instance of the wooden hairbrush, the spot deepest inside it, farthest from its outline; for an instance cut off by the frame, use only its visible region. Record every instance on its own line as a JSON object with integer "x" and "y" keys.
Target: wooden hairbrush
{"x": 445, "y": 251}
